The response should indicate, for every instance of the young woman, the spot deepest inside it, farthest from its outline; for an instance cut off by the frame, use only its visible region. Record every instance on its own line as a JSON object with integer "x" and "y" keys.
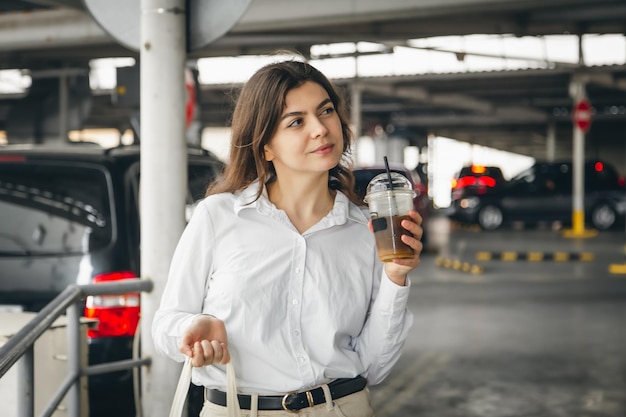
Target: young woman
{"x": 277, "y": 270}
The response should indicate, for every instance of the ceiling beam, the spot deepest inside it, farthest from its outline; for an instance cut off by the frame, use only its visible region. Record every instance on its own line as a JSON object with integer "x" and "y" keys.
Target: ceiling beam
{"x": 500, "y": 119}
{"x": 49, "y": 29}
{"x": 456, "y": 101}
{"x": 604, "y": 79}
{"x": 75, "y": 4}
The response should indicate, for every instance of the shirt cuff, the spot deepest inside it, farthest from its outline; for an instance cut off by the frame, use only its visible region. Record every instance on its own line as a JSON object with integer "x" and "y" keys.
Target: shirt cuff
{"x": 392, "y": 294}
{"x": 182, "y": 327}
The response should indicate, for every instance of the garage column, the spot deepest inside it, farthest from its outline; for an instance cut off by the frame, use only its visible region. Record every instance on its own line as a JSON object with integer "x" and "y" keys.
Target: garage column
{"x": 390, "y": 144}
{"x": 355, "y": 114}
{"x": 577, "y": 91}
{"x": 63, "y": 108}
{"x": 551, "y": 142}
{"x": 163, "y": 177}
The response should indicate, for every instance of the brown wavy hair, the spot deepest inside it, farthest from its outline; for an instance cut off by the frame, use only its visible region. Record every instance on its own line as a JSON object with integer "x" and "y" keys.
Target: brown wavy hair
{"x": 255, "y": 119}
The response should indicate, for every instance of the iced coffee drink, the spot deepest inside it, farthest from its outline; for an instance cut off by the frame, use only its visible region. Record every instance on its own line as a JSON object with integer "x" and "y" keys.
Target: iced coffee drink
{"x": 388, "y": 205}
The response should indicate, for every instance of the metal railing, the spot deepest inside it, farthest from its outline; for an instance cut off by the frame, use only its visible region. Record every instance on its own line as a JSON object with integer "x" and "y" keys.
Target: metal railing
{"x": 21, "y": 345}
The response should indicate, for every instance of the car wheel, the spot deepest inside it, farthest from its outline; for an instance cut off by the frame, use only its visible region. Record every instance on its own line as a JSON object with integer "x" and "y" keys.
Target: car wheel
{"x": 603, "y": 216}
{"x": 490, "y": 217}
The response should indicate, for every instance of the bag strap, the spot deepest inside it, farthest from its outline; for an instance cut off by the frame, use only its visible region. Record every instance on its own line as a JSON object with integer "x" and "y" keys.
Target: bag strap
{"x": 182, "y": 388}
{"x": 232, "y": 402}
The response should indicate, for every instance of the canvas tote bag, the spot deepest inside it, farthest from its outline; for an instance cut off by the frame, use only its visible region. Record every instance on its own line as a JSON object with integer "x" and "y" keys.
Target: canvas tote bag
{"x": 183, "y": 387}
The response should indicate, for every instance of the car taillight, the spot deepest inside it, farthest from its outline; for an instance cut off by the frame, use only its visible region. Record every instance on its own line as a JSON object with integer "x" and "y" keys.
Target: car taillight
{"x": 117, "y": 315}
{"x": 487, "y": 181}
{"x": 598, "y": 166}
{"x": 12, "y": 158}
{"x": 465, "y": 181}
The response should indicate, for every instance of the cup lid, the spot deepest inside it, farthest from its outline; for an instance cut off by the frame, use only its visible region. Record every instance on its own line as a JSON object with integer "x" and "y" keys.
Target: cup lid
{"x": 380, "y": 184}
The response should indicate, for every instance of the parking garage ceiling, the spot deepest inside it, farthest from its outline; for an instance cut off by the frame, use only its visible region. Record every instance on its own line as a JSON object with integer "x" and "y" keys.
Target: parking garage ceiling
{"x": 510, "y": 109}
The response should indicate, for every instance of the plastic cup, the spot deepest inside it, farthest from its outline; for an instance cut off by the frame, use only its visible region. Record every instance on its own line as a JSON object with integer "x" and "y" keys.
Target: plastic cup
{"x": 388, "y": 206}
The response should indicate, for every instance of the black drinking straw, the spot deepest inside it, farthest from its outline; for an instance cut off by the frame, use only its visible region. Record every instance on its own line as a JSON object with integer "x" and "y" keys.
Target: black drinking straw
{"x": 388, "y": 173}
{"x": 392, "y": 198}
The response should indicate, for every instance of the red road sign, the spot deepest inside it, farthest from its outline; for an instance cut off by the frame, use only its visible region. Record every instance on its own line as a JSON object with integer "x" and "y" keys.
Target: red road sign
{"x": 191, "y": 101}
{"x": 582, "y": 115}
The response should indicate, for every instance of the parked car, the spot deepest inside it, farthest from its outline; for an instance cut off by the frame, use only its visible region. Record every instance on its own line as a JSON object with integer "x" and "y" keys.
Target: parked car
{"x": 543, "y": 193}
{"x": 70, "y": 215}
{"x": 363, "y": 175}
{"x": 422, "y": 171}
{"x": 476, "y": 179}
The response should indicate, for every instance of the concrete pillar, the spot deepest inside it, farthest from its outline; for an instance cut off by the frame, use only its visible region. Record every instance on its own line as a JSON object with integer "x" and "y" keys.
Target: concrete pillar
{"x": 396, "y": 147}
{"x": 577, "y": 91}
{"x": 551, "y": 142}
{"x": 390, "y": 146}
{"x": 63, "y": 108}
{"x": 163, "y": 177}
{"x": 355, "y": 114}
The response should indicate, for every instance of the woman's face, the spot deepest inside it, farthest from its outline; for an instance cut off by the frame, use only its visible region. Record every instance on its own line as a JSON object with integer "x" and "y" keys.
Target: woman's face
{"x": 308, "y": 137}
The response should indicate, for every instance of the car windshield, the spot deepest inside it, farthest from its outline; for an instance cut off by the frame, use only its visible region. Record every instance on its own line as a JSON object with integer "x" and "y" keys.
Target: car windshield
{"x": 53, "y": 209}
{"x": 479, "y": 170}
{"x": 527, "y": 175}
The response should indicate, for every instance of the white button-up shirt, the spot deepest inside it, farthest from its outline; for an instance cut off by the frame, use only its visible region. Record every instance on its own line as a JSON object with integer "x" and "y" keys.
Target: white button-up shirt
{"x": 300, "y": 309}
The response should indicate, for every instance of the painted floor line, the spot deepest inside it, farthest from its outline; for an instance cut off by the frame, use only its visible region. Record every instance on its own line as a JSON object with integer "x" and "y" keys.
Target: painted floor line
{"x": 404, "y": 395}
{"x": 399, "y": 381}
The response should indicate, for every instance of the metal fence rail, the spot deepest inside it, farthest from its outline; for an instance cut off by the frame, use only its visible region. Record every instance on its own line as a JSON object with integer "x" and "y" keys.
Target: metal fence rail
{"x": 21, "y": 345}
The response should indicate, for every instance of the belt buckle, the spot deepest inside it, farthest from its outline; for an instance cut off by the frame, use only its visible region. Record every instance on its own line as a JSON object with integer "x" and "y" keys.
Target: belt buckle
{"x": 284, "y": 403}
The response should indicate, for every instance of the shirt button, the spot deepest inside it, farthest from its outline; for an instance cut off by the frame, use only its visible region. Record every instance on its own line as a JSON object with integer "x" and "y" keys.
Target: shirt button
{"x": 297, "y": 270}
{"x": 296, "y": 332}
{"x": 302, "y": 359}
{"x": 295, "y": 301}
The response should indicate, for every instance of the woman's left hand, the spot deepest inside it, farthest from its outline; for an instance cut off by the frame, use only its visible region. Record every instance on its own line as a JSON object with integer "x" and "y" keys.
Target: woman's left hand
{"x": 398, "y": 269}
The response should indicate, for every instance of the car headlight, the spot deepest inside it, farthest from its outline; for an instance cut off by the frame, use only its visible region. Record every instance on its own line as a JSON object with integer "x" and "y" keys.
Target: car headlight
{"x": 469, "y": 202}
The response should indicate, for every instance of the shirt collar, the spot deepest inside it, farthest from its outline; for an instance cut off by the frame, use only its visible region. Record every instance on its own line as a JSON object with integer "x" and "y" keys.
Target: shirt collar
{"x": 347, "y": 210}
{"x": 246, "y": 198}
{"x": 343, "y": 210}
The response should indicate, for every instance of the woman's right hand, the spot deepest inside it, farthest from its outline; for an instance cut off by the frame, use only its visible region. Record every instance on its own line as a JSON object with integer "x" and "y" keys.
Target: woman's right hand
{"x": 205, "y": 341}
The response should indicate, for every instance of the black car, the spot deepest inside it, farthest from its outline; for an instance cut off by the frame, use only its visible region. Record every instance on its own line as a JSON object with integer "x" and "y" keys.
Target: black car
{"x": 70, "y": 215}
{"x": 476, "y": 179}
{"x": 543, "y": 193}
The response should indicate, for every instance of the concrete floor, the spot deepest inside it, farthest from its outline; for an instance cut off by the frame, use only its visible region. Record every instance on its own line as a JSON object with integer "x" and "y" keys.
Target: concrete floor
{"x": 520, "y": 338}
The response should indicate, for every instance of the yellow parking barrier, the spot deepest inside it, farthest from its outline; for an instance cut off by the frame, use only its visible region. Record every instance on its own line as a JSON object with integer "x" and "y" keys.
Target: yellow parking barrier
{"x": 618, "y": 269}
{"x": 459, "y": 265}
{"x": 483, "y": 256}
{"x": 586, "y": 256}
{"x": 510, "y": 256}
{"x": 561, "y": 256}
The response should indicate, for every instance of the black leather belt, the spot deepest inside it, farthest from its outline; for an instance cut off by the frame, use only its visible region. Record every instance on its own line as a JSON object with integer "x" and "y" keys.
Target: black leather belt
{"x": 294, "y": 401}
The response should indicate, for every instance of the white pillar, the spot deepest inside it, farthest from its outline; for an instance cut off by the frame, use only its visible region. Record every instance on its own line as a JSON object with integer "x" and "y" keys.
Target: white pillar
{"x": 551, "y": 142}
{"x": 163, "y": 177}
{"x": 355, "y": 114}
{"x": 389, "y": 145}
{"x": 63, "y": 108}
{"x": 396, "y": 147}
{"x": 577, "y": 92}
{"x": 381, "y": 145}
